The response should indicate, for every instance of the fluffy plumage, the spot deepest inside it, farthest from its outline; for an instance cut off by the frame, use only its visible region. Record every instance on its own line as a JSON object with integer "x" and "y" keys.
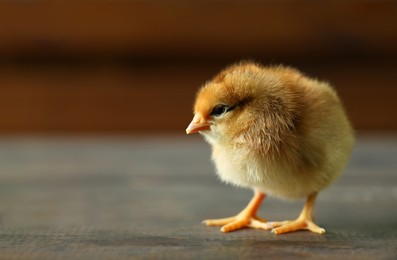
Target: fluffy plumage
{"x": 274, "y": 130}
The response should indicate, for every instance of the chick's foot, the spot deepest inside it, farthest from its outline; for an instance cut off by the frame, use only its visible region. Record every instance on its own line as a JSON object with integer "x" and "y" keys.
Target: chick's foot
{"x": 295, "y": 225}
{"x": 303, "y": 222}
{"x": 246, "y": 218}
{"x": 238, "y": 222}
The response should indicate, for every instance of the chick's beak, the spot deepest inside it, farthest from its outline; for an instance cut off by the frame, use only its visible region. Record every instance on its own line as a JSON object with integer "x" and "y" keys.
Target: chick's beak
{"x": 198, "y": 124}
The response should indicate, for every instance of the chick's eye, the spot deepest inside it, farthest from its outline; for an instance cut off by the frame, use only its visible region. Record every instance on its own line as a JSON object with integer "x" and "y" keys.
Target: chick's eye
{"x": 219, "y": 110}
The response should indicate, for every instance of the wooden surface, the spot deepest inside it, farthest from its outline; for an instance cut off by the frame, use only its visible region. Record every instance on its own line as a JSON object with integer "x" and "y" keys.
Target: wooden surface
{"x": 144, "y": 198}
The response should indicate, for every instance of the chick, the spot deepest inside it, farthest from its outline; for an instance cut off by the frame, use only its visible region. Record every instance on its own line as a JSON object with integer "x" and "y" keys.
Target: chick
{"x": 276, "y": 131}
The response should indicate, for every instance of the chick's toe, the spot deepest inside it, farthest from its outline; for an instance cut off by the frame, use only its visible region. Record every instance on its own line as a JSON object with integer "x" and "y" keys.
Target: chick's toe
{"x": 246, "y": 218}
{"x": 303, "y": 222}
{"x": 295, "y": 225}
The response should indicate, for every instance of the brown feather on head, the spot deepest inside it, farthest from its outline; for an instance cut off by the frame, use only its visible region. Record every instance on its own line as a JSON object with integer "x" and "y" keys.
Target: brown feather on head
{"x": 250, "y": 92}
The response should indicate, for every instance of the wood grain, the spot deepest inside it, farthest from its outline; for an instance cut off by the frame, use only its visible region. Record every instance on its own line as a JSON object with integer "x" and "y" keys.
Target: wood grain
{"x": 198, "y": 28}
{"x": 134, "y": 66}
{"x": 155, "y": 99}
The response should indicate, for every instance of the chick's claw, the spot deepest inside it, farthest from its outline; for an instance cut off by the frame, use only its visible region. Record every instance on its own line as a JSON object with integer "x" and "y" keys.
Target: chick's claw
{"x": 295, "y": 225}
{"x": 218, "y": 222}
{"x": 238, "y": 222}
{"x": 259, "y": 224}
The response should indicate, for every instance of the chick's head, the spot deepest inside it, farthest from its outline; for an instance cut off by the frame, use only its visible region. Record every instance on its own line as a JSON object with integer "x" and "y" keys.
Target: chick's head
{"x": 229, "y": 105}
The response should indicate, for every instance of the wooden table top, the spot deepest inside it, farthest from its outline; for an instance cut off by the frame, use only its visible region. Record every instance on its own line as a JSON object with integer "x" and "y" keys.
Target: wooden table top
{"x": 144, "y": 197}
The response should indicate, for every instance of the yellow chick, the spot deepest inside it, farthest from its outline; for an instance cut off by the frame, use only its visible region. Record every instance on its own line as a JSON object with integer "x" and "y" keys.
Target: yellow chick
{"x": 276, "y": 131}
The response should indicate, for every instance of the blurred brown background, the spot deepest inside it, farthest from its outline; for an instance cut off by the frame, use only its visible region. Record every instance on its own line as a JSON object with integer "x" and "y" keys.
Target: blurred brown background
{"x": 134, "y": 66}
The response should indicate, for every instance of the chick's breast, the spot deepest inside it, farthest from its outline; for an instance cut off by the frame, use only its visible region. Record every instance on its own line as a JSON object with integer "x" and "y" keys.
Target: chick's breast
{"x": 290, "y": 138}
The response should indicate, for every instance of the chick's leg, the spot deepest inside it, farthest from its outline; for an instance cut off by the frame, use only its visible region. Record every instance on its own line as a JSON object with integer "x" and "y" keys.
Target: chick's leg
{"x": 303, "y": 222}
{"x": 246, "y": 218}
